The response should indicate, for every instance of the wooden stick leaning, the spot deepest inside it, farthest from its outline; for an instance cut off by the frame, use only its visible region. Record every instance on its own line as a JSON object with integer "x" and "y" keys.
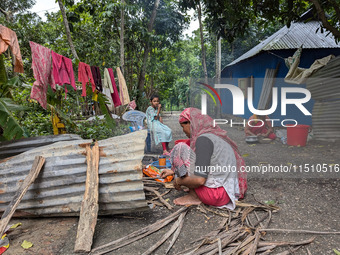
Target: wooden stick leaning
{"x": 30, "y": 178}
{"x": 89, "y": 205}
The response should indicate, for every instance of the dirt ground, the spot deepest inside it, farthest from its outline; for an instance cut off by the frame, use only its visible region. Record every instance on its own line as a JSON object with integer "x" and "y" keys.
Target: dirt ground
{"x": 308, "y": 201}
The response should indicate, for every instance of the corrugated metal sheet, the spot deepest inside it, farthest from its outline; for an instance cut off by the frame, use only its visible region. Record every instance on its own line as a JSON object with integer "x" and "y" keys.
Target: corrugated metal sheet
{"x": 324, "y": 86}
{"x": 326, "y": 120}
{"x": 60, "y": 187}
{"x": 325, "y": 83}
{"x": 297, "y": 34}
{"x": 15, "y": 147}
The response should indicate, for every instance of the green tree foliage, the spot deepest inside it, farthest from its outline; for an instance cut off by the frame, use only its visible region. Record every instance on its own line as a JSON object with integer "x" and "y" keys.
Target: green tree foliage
{"x": 173, "y": 60}
{"x": 232, "y": 19}
{"x": 9, "y": 126}
{"x": 9, "y": 8}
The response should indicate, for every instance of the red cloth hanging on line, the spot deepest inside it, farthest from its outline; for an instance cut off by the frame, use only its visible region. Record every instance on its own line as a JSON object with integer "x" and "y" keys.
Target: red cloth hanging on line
{"x": 63, "y": 71}
{"x": 115, "y": 94}
{"x": 84, "y": 75}
{"x": 42, "y": 71}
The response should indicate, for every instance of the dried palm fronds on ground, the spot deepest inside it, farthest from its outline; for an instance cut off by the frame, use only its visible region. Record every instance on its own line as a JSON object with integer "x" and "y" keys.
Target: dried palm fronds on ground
{"x": 242, "y": 231}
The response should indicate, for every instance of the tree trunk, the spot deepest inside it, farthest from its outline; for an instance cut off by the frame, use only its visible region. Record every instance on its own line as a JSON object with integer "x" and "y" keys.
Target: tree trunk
{"x": 67, "y": 29}
{"x": 324, "y": 19}
{"x": 219, "y": 60}
{"x": 7, "y": 15}
{"x": 147, "y": 50}
{"x": 122, "y": 24}
{"x": 218, "y": 71}
{"x": 232, "y": 51}
{"x": 199, "y": 10}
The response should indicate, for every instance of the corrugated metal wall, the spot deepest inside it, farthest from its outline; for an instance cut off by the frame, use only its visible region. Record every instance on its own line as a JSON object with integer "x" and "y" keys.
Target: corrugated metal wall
{"x": 60, "y": 187}
{"x": 15, "y": 147}
{"x": 324, "y": 86}
{"x": 326, "y": 120}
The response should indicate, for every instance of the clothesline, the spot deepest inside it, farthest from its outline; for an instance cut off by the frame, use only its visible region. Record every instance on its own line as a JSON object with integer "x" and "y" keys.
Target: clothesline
{"x": 62, "y": 74}
{"x": 51, "y": 69}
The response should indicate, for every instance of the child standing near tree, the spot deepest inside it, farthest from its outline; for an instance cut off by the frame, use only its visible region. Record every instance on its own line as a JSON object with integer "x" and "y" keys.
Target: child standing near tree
{"x": 161, "y": 133}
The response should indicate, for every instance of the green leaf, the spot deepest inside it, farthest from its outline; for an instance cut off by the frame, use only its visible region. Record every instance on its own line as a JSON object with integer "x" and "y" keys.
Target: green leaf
{"x": 102, "y": 100}
{"x": 336, "y": 251}
{"x": 3, "y": 74}
{"x": 11, "y": 128}
{"x": 270, "y": 202}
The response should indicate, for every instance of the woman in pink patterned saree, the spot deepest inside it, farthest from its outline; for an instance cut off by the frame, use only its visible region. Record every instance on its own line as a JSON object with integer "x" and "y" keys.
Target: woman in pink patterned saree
{"x": 211, "y": 167}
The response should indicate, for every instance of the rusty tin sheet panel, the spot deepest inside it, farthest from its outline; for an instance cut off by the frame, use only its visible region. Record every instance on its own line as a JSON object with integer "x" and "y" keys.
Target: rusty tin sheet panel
{"x": 60, "y": 186}
{"x": 15, "y": 147}
{"x": 326, "y": 120}
{"x": 299, "y": 33}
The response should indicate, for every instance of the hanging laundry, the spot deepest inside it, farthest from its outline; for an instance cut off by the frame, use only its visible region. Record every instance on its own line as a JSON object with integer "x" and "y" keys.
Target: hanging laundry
{"x": 115, "y": 94}
{"x": 97, "y": 77}
{"x": 299, "y": 75}
{"x": 9, "y": 38}
{"x": 132, "y": 105}
{"x": 84, "y": 76}
{"x": 63, "y": 71}
{"x": 107, "y": 89}
{"x": 95, "y": 96}
{"x": 42, "y": 71}
{"x": 123, "y": 91}
{"x": 107, "y": 80}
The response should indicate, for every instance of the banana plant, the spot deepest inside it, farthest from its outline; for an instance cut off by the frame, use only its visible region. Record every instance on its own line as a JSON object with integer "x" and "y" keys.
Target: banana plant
{"x": 9, "y": 127}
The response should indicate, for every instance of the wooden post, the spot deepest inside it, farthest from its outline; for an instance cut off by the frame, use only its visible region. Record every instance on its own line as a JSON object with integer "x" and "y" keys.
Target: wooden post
{"x": 30, "y": 178}
{"x": 89, "y": 206}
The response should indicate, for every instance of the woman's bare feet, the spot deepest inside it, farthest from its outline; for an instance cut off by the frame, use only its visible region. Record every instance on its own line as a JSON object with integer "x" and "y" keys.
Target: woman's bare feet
{"x": 185, "y": 189}
{"x": 190, "y": 199}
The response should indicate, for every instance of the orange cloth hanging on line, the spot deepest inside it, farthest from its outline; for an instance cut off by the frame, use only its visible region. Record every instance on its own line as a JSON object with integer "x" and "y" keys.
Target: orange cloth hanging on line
{"x": 9, "y": 38}
{"x": 84, "y": 75}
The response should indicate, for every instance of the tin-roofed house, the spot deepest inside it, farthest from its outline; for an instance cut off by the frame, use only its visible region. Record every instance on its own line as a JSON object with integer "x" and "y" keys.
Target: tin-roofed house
{"x": 258, "y": 67}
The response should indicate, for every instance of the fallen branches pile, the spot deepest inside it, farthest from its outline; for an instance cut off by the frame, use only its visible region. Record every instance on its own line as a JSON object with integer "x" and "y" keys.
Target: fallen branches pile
{"x": 151, "y": 188}
{"x": 141, "y": 233}
{"x": 240, "y": 232}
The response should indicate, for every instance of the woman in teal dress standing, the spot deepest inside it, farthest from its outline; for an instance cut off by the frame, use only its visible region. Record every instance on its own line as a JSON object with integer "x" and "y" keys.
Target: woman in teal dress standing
{"x": 161, "y": 133}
